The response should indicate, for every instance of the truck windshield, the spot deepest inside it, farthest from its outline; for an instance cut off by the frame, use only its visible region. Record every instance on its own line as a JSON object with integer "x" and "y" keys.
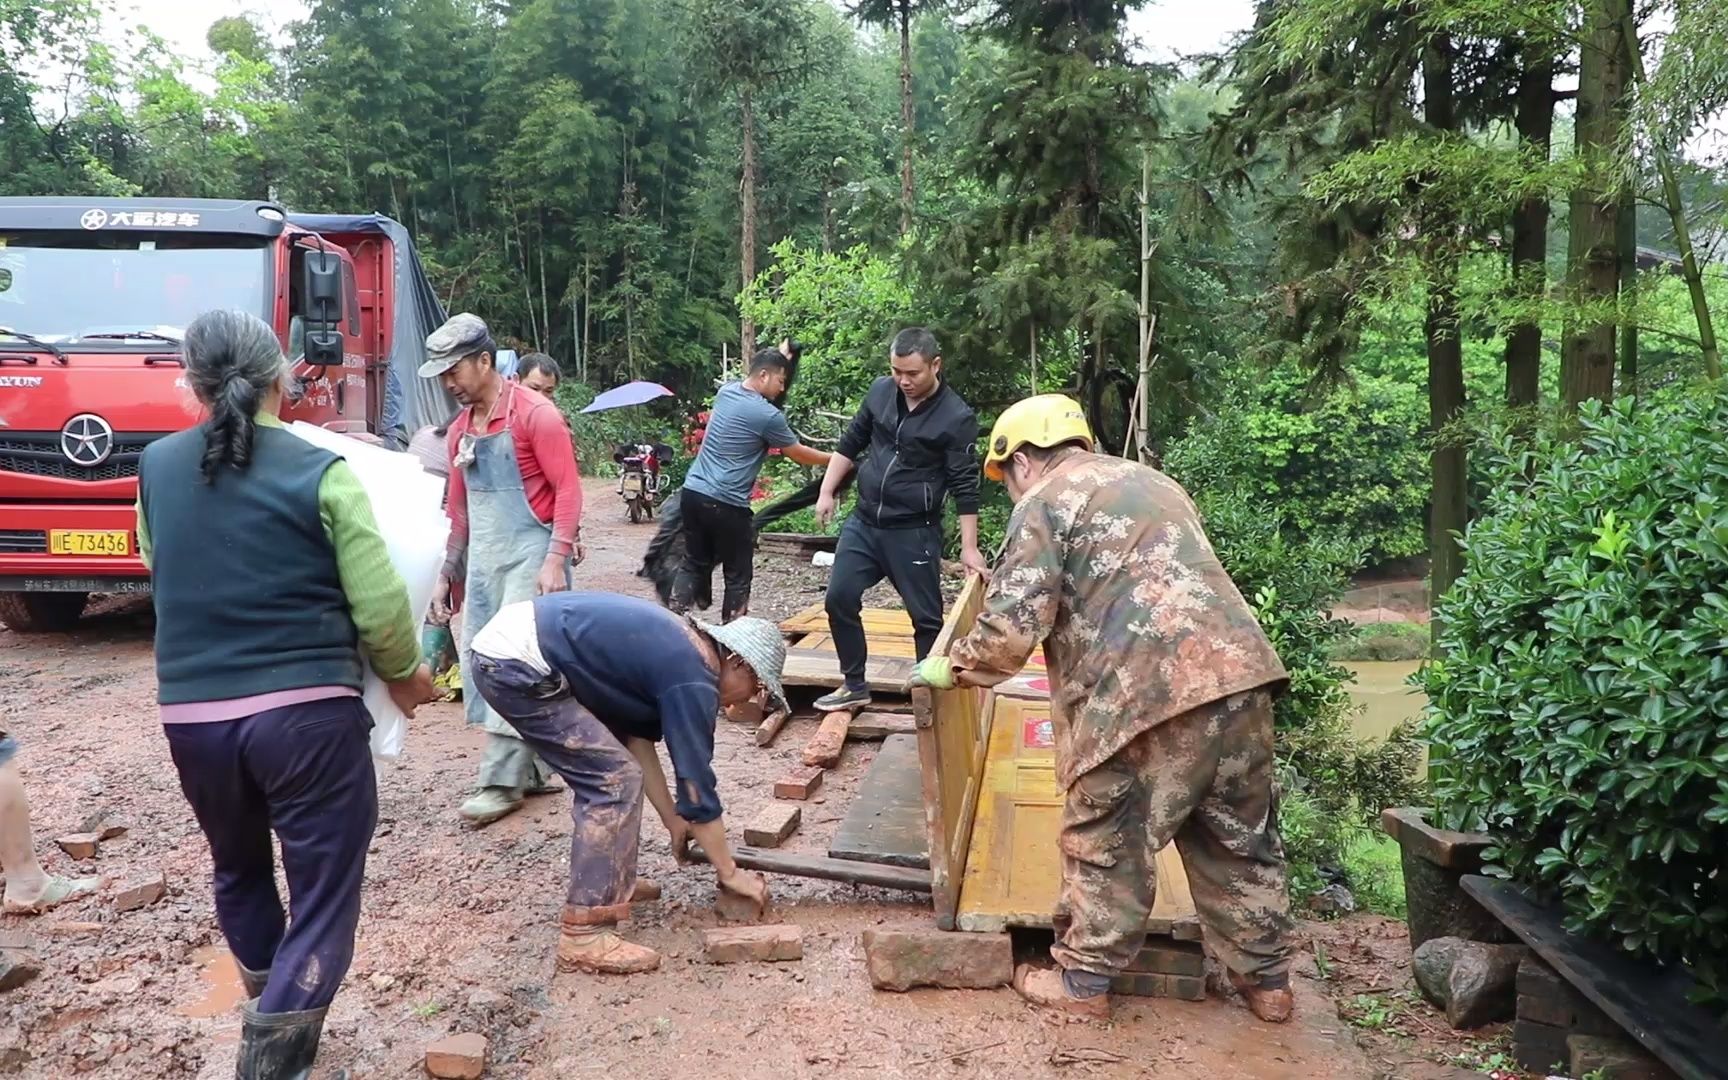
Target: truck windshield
{"x": 63, "y": 286}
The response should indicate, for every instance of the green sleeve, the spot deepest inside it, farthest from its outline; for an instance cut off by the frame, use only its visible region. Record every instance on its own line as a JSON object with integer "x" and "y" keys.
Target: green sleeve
{"x": 377, "y": 598}
{"x": 144, "y": 551}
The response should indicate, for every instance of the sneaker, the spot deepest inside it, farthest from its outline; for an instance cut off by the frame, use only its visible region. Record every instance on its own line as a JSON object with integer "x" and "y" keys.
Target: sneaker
{"x": 490, "y": 804}
{"x": 604, "y": 953}
{"x": 844, "y": 699}
{"x": 1273, "y": 1005}
{"x": 55, "y": 891}
{"x": 1044, "y": 987}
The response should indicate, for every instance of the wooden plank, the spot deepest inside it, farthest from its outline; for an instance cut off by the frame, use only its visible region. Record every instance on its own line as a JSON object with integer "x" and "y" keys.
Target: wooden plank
{"x": 773, "y": 824}
{"x": 825, "y": 868}
{"x": 885, "y": 823}
{"x": 1013, "y": 869}
{"x": 877, "y": 644}
{"x": 1650, "y": 1003}
{"x": 814, "y": 619}
{"x": 883, "y": 674}
{"x": 825, "y": 747}
{"x": 770, "y": 727}
{"x": 874, "y": 725}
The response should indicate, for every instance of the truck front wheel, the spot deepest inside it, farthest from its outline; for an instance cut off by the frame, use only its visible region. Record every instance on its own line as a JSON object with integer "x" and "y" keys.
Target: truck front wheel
{"x": 41, "y": 612}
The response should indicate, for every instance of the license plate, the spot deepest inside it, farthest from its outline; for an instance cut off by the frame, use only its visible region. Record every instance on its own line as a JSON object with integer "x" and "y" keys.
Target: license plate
{"x": 633, "y": 483}
{"x": 89, "y": 542}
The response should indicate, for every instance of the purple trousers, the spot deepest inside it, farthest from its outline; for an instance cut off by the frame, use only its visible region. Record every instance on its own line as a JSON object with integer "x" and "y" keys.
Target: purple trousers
{"x": 304, "y": 772}
{"x": 605, "y": 784}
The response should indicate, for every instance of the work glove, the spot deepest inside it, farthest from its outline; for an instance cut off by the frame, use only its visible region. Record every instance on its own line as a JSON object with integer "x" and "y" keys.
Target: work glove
{"x": 935, "y": 672}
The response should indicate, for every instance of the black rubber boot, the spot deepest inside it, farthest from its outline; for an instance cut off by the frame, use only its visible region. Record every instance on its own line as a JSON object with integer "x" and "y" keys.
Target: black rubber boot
{"x": 277, "y": 1046}
{"x": 252, "y": 981}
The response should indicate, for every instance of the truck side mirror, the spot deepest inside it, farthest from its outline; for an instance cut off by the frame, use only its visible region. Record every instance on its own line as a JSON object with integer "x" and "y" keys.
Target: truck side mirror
{"x": 321, "y": 296}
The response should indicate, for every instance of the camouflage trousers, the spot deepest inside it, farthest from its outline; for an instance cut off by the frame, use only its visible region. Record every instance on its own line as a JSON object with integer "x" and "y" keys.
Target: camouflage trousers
{"x": 1203, "y": 779}
{"x": 605, "y": 784}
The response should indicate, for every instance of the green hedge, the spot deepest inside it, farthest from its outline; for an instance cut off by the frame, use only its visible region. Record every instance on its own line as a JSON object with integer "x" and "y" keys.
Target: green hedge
{"x": 1581, "y": 711}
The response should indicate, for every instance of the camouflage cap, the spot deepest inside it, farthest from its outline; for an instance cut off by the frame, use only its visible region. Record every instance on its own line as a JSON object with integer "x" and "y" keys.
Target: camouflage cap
{"x": 463, "y": 335}
{"x": 759, "y": 644}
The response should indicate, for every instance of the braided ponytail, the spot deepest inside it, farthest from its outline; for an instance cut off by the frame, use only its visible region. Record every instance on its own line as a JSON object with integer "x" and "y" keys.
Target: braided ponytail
{"x": 232, "y": 360}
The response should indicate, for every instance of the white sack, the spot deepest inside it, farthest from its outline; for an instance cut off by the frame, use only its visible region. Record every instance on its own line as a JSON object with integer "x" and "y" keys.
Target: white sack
{"x": 408, "y": 504}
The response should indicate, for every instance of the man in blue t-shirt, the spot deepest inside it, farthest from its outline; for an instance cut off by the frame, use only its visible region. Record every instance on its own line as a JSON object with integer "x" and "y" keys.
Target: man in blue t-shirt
{"x": 591, "y": 681}
{"x": 715, "y": 503}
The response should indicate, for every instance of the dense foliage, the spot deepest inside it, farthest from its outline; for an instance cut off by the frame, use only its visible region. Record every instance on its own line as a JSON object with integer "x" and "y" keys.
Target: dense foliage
{"x": 1579, "y": 712}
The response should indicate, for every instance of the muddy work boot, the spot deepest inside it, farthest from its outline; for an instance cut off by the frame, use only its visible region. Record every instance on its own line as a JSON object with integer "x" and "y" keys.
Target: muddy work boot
{"x": 598, "y": 950}
{"x": 1046, "y": 988}
{"x": 490, "y": 804}
{"x": 845, "y": 699}
{"x": 278, "y": 1046}
{"x": 1269, "y": 999}
{"x": 253, "y": 982}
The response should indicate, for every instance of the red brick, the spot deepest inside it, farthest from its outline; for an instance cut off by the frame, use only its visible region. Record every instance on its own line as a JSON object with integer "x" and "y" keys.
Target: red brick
{"x": 761, "y": 944}
{"x": 458, "y": 1057}
{"x": 799, "y": 785}
{"x": 141, "y": 892}
{"x": 1185, "y": 987}
{"x": 1164, "y": 957}
{"x": 773, "y": 824}
{"x": 902, "y": 959}
{"x": 1615, "y": 1058}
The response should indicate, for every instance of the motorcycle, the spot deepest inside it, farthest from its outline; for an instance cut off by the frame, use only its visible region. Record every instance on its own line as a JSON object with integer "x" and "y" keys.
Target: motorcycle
{"x": 639, "y": 480}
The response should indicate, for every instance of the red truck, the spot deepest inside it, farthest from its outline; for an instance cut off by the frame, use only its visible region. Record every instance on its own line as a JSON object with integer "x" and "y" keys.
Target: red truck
{"x": 94, "y": 296}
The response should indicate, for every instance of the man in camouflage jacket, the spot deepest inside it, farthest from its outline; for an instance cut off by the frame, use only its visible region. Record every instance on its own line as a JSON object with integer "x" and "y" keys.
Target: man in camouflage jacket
{"x": 1161, "y": 687}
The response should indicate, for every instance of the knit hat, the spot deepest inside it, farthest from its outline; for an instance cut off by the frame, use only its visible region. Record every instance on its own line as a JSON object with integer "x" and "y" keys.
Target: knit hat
{"x": 759, "y": 644}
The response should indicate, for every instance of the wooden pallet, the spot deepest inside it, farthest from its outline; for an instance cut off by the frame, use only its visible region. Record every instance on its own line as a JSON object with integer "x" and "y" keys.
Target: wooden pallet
{"x": 878, "y": 622}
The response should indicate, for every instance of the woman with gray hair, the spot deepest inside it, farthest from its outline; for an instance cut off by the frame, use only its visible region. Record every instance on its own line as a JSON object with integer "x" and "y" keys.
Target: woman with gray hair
{"x": 270, "y": 577}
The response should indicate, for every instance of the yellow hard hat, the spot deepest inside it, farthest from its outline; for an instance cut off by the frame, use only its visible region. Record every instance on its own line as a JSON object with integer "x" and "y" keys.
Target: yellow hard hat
{"x": 1043, "y": 421}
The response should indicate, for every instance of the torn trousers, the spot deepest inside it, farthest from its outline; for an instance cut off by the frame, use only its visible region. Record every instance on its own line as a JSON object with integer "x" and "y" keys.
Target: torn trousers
{"x": 605, "y": 783}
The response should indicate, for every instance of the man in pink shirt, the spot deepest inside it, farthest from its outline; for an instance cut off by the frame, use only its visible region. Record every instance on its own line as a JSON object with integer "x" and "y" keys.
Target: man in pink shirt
{"x": 515, "y": 506}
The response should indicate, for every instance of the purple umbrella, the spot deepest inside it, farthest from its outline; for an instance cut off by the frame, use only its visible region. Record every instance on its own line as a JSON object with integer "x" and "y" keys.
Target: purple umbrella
{"x": 631, "y": 393}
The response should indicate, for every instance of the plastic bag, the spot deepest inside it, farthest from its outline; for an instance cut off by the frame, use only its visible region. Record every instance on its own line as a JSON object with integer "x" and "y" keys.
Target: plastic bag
{"x": 407, "y": 502}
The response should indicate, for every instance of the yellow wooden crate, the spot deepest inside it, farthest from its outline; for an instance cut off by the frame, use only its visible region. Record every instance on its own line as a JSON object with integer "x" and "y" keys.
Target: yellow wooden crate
{"x": 994, "y": 812}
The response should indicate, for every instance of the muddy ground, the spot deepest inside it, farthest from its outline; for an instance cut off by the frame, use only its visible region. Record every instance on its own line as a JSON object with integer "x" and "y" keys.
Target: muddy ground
{"x": 459, "y": 924}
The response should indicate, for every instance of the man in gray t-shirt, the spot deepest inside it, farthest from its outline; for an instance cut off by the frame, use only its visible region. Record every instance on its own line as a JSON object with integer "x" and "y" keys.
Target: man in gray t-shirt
{"x": 715, "y": 503}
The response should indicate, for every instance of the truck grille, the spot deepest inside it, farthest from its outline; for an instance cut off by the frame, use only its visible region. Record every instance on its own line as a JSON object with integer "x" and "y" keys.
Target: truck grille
{"x": 37, "y": 453}
{"x": 23, "y": 542}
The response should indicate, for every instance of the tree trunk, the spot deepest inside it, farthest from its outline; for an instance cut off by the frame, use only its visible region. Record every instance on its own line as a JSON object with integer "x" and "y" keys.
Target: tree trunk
{"x": 1445, "y": 348}
{"x": 587, "y": 308}
{"x": 1142, "y": 392}
{"x": 827, "y": 220}
{"x": 747, "y": 230}
{"x": 1530, "y": 229}
{"x": 1587, "y": 358}
{"x": 1034, "y": 357}
{"x": 1634, "y": 57}
{"x": 908, "y": 118}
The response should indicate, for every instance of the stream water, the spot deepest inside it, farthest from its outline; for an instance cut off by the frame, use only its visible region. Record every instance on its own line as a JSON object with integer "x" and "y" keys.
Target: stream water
{"x": 1382, "y": 689}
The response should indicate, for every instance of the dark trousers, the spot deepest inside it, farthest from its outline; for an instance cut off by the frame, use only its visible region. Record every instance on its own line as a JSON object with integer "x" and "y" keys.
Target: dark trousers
{"x": 304, "y": 771}
{"x": 605, "y": 784}
{"x": 909, "y": 558}
{"x": 716, "y": 532}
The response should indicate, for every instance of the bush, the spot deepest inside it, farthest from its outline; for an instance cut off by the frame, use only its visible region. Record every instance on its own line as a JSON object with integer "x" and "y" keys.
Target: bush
{"x": 1293, "y": 585}
{"x": 1350, "y": 460}
{"x": 1392, "y": 641}
{"x": 1578, "y": 714}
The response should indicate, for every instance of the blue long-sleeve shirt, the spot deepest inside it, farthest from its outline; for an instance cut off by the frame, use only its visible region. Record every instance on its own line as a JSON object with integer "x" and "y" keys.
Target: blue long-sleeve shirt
{"x": 632, "y": 664}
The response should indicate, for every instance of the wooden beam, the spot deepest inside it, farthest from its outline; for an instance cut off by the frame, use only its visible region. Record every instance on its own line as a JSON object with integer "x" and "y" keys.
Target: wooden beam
{"x": 770, "y": 727}
{"x": 826, "y": 869}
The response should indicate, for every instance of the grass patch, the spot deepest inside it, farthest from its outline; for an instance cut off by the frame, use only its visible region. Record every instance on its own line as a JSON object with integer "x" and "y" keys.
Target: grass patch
{"x": 1370, "y": 861}
{"x": 1384, "y": 641}
{"x": 1375, "y": 865}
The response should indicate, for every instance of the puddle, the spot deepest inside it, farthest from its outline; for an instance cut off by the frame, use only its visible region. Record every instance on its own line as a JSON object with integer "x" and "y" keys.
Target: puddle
{"x": 219, "y": 984}
{"x": 1387, "y": 699}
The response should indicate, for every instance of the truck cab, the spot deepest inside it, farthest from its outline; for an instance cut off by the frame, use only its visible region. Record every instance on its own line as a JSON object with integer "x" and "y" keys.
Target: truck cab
{"x": 95, "y": 295}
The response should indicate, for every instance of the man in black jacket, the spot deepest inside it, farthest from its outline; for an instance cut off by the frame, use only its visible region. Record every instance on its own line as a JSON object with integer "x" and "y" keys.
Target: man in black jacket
{"x": 922, "y": 442}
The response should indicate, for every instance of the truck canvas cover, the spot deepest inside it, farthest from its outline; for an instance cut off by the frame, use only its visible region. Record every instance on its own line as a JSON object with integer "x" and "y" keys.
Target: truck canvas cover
{"x": 410, "y": 402}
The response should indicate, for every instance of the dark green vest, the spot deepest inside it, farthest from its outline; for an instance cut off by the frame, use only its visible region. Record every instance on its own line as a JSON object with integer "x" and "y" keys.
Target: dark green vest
{"x": 248, "y": 600}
